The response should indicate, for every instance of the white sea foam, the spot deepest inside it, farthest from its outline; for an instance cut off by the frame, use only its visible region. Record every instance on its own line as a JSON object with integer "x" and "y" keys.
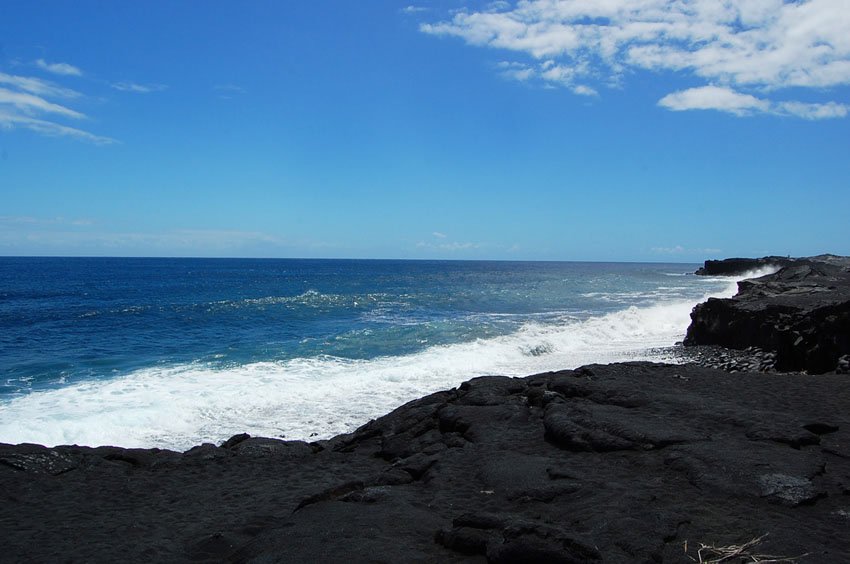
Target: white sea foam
{"x": 312, "y": 398}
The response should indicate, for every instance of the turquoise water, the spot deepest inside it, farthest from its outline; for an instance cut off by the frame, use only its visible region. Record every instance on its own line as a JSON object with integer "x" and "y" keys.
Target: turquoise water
{"x": 172, "y": 352}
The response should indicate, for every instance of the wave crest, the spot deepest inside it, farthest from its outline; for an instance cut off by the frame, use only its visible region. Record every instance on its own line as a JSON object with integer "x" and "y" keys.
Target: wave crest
{"x": 318, "y": 397}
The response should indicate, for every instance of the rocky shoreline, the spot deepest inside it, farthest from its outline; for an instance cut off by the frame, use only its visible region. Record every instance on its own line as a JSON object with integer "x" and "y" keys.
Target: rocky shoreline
{"x": 801, "y": 313}
{"x": 629, "y": 462}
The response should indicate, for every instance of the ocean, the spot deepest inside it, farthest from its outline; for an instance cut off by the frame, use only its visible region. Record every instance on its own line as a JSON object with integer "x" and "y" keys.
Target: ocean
{"x": 171, "y": 353}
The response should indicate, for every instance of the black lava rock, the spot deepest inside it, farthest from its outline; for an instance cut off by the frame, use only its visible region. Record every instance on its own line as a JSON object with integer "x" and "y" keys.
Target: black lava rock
{"x": 801, "y": 313}
{"x": 632, "y": 462}
{"x": 738, "y": 266}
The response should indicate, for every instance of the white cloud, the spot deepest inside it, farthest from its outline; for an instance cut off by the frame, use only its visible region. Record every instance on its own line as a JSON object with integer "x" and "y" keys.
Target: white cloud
{"x": 727, "y": 100}
{"x": 680, "y": 250}
{"x": 37, "y": 86}
{"x": 138, "y": 88}
{"x": 220, "y": 239}
{"x": 583, "y": 90}
{"x": 675, "y": 250}
{"x": 64, "y": 235}
{"x": 451, "y": 246}
{"x": 232, "y": 88}
{"x": 513, "y": 70}
{"x": 813, "y": 111}
{"x": 228, "y": 91}
{"x": 464, "y": 248}
{"x": 413, "y": 9}
{"x": 16, "y": 221}
{"x": 713, "y": 98}
{"x": 756, "y": 45}
{"x": 558, "y": 73}
{"x": 50, "y": 129}
{"x": 30, "y": 104}
{"x": 24, "y": 104}
{"x": 63, "y": 69}
{"x": 498, "y": 6}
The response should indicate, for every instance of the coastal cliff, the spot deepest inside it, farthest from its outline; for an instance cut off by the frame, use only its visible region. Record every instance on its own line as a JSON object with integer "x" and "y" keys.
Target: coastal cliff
{"x": 801, "y": 313}
{"x": 629, "y": 462}
{"x": 737, "y": 266}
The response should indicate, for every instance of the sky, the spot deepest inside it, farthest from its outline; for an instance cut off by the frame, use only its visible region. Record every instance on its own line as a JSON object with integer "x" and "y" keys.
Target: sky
{"x": 613, "y": 130}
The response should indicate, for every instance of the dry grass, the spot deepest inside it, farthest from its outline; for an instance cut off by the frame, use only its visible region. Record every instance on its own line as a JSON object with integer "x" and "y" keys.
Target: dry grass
{"x": 746, "y": 552}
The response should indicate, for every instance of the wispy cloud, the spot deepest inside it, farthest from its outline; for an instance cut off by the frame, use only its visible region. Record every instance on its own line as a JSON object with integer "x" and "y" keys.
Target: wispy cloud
{"x": 40, "y": 106}
{"x": 584, "y": 90}
{"x": 64, "y": 235}
{"x": 63, "y": 69}
{"x": 31, "y": 104}
{"x": 138, "y": 88}
{"x": 497, "y": 6}
{"x": 19, "y": 220}
{"x": 812, "y": 111}
{"x": 413, "y": 9}
{"x": 25, "y": 103}
{"x": 675, "y": 250}
{"x": 680, "y": 250}
{"x": 37, "y": 86}
{"x": 50, "y": 129}
{"x": 221, "y": 239}
{"x": 514, "y": 70}
{"x": 228, "y": 91}
{"x": 740, "y": 47}
{"x": 442, "y": 244}
{"x": 451, "y": 246}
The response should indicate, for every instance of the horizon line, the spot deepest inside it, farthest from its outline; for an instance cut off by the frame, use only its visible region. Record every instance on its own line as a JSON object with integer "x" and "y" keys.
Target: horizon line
{"x": 187, "y": 257}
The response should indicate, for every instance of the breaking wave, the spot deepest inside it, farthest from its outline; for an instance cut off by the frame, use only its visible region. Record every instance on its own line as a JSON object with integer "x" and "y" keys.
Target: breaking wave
{"x": 317, "y": 397}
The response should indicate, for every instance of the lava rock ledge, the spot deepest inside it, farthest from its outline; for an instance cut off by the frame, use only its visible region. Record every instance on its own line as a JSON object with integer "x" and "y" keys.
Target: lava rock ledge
{"x": 801, "y": 313}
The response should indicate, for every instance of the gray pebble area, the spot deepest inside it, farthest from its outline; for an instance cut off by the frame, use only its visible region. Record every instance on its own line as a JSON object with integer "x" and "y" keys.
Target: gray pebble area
{"x": 751, "y": 359}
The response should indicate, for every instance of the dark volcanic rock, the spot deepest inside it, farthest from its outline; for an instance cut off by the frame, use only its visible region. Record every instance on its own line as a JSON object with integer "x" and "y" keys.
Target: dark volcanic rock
{"x": 738, "y": 266}
{"x": 801, "y": 313}
{"x": 632, "y": 462}
{"x": 751, "y": 359}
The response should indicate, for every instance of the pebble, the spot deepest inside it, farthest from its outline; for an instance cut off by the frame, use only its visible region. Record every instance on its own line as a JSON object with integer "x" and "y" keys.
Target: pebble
{"x": 751, "y": 359}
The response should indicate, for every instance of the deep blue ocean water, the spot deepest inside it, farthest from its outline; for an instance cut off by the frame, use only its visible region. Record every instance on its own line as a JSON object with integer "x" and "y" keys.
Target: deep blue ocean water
{"x": 172, "y": 352}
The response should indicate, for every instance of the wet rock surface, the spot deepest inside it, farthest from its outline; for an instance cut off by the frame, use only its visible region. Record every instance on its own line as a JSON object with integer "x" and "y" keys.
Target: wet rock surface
{"x": 800, "y": 315}
{"x": 633, "y": 462}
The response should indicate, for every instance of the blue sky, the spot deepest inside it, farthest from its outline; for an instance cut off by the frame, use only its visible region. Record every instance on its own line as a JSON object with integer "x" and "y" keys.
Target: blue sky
{"x": 554, "y": 130}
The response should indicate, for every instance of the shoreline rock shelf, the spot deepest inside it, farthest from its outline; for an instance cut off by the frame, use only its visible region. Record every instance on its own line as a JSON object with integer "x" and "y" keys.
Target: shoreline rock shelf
{"x": 738, "y": 266}
{"x": 622, "y": 462}
{"x": 629, "y": 462}
{"x": 801, "y": 313}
